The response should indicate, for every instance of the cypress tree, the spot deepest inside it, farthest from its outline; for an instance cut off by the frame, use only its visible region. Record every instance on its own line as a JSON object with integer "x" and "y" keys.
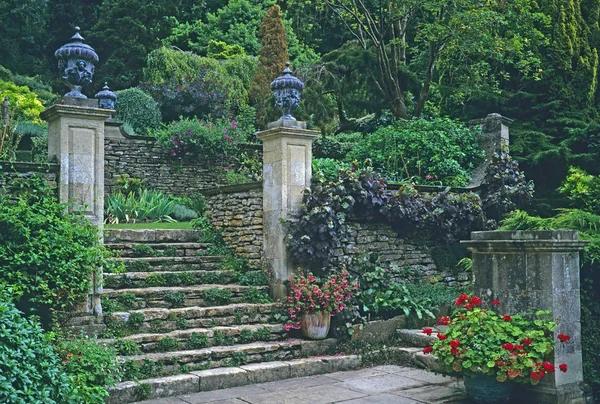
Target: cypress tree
{"x": 272, "y": 56}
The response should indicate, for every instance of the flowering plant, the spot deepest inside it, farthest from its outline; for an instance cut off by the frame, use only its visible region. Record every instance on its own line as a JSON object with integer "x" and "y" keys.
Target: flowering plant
{"x": 509, "y": 348}
{"x": 307, "y": 297}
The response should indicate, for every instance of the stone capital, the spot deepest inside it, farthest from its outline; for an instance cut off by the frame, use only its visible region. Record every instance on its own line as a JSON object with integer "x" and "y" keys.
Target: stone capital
{"x": 73, "y": 111}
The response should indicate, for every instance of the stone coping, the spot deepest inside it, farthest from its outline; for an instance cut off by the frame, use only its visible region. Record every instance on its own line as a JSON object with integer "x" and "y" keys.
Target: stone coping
{"x": 525, "y": 240}
{"x": 232, "y": 189}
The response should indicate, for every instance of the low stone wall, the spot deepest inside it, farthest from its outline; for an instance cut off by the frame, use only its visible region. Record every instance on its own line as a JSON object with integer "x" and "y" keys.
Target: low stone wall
{"x": 143, "y": 158}
{"x": 415, "y": 257}
{"x": 237, "y": 212}
{"x": 11, "y": 170}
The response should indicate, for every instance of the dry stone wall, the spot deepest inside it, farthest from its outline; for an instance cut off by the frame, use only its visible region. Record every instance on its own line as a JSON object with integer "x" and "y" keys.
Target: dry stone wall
{"x": 237, "y": 212}
{"x": 11, "y": 170}
{"x": 414, "y": 258}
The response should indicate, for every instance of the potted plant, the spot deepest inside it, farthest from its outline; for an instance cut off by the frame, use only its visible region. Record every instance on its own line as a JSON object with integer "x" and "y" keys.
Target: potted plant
{"x": 310, "y": 304}
{"x": 494, "y": 351}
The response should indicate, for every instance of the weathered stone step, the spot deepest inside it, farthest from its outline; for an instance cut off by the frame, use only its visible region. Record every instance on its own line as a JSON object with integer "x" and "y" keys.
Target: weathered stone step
{"x": 200, "y": 317}
{"x": 184, "y": 296}
{"x": 147, "y": 264}
{"x": 416, "y": 338}
{"x": 167, "y": 278}
{"x": 220, "y": 378}
{"x": 194, "y": 338}
{"x": 151, "y": 235}
{"x": 172, "y": 249}
{"x": 235, "y": 355}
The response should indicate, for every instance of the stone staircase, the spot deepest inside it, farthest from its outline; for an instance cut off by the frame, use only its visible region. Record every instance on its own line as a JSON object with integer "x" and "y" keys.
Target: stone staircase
{"x": 178, "y": 310}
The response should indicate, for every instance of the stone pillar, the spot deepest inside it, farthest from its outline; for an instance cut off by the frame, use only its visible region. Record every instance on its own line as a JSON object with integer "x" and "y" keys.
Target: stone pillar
{"x": 495, "y": 138}
{"x": 536, "y": 270}
{"x": 287, "y": 158}
{"x": 76, "y": 141}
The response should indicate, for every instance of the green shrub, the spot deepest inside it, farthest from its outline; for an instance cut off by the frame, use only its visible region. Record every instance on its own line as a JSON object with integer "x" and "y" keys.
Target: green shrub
{"x": 146, "y": 206}
{"x": 143, "y": 391}
{"x": 167, "y": 344}
{"x": 253, "y": 278}
{"x": 421, "y": 150}
{"x": 233, "y": 177}
{"x": 328, "y": 168}
{"x": 93, "y": 368}
{"x": 582, "y": 189}
{"x": 142, "y": 250}
{"x": 183, "y": 214}
{"x": 138, "y": 109}
{"x": 127, "y": 347}
{"x": 155, "y": 280}
{"x": 221, "y": 339}
{"x": 29, "y": 368}
{"x": 218, "y": 296}
{"x": 254, "y": 295}
{"x": 214, "y": 142}
{"x": 175, "y": 299}
{"x": 197, "y": 341}
{"x": 47, "y": 253}
{"x": 24, "y": 104}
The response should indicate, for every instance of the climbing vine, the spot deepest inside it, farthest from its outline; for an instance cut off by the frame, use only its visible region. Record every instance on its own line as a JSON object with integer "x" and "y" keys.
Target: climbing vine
{"x": 320, "y": 226}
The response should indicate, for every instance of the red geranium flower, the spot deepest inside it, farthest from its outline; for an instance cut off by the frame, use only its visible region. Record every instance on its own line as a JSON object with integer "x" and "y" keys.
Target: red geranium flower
{"x": 453, "y": 351}
{"x": 506, "y": 318}
{"x": 454, "y": 343}
{"x": 427, "y": 331}
{"x": 537, "y": 375}
{"x": 563, "y": 367}
{"x": 563, "y": 337}
{"x": 462, "y": 299}
{"x": 496, "y": 302}
{"x": 548, "y": 367}
{"x": 475, "y": 301}
{"x": 508, "y": 346}
{"x": 427, "y": 349}
{"x": 526, "y": 341}
{"x": 443, "y": 320}
{"x": 441, "y": 336}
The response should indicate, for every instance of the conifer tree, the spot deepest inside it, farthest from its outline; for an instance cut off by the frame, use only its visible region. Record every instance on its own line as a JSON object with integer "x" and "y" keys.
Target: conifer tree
{"x": 272, "y": 56}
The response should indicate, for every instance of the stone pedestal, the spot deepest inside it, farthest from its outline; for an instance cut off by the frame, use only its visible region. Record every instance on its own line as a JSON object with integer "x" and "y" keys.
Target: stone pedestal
{"x": 536, "y": 270}
{"x": 76, "y": 142}
{"x": 287, "y": 158}
{"x": 495, "y": 138}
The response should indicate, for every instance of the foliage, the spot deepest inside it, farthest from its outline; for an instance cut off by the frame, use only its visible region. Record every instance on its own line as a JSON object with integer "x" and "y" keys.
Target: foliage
{"x": 247, "y": 168}
{"x": 9, "y": 141}
{"x": 126, "y": 347}
{"x": 24, "y": 104}
{"x": 48, "y": 251}
{"x": 147, "y": 205}
{"x": 308, "y": 296}
{"x": 92, "y": 367}
{"x": 509, "y": 348}
{"x": 253, "y": 278}
{"x": 582, "y": 189}
{"x": 167, "y": 344}
{"x": 30, "y": 369}
{"x": 217, "y": 296}
{"x": 272, "y": 56}
{"x": 138, "y": 109}
{"x": 215, "y": 142}
{"x": 197, "y": 341}
{"x": 183, "y": 213}
{"x": 413, "y": 150}
{"x": 255, "y": 295}
{"x": 175, "y": 299}
{"x": 328, "y": 168}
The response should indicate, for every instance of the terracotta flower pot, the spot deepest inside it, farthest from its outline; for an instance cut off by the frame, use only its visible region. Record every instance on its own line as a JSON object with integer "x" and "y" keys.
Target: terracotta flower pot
{"x": 315, "y": 326}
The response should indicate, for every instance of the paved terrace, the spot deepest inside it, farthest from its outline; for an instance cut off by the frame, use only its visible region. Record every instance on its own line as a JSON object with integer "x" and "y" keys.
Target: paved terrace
{"x": 377, "y": 385}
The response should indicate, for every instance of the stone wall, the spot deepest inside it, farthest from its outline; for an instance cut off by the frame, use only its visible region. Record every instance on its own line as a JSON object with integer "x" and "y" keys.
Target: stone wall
{"x": 143, "y": 158}
{"x": 237, "y": 212}
{"x": 15, "y": 169}
{"x": 415, "y": 257}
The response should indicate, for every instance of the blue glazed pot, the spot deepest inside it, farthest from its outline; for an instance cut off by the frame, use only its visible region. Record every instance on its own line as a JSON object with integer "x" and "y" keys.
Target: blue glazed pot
{"x": 487, "y": 390}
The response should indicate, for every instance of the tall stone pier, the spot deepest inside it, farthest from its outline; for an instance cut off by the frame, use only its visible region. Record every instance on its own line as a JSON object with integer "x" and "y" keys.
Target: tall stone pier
{"x": 287, "y": 159}
{"x": 537, "y": 270}
{"x": 76, "y": 142}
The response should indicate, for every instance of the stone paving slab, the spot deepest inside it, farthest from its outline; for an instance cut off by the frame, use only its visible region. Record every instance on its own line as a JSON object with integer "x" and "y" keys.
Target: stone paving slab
{"x": 387, "y": 384}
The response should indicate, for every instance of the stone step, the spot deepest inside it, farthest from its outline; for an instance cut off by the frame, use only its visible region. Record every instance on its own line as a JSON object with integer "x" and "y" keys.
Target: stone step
{"x": 167, "y": 278}
{"x": 180, "y": 296}
{"x": 161, "y": 249}
{"x": 198, "y": 263}
{"x": 199, "y": 317}
{"x": 151, "y": 236}
{"x": 220, "y": 378}
{"x": 190, "y": 338}
{"x": 416, "y": 338}
{"x": 174, "y": 362}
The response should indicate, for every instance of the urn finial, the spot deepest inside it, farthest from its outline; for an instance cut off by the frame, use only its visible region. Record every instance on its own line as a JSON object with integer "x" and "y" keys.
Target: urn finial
{"x": 106, "y": 98}
{"x": 76, "y": 62}
{"x": 287, "y": 90}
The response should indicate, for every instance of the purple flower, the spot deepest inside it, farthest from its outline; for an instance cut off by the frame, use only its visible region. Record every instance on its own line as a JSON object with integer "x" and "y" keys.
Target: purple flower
{"x": 227, "y": 137}
{"x": 172, "y": 152}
